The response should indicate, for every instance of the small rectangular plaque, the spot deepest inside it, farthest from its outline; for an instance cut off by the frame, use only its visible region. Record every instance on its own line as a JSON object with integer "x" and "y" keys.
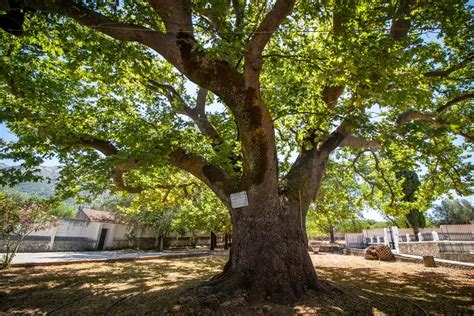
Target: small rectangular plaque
{"x": 239, "y": 199}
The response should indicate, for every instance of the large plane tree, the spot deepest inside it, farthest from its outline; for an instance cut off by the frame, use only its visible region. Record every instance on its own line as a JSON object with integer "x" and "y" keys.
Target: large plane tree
{"x": 283, "y": 87}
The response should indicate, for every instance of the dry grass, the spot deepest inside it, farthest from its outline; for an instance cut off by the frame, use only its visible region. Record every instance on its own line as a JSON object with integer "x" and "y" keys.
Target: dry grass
{"x": 154, "y": 286}
{"x": 393, "y": 287}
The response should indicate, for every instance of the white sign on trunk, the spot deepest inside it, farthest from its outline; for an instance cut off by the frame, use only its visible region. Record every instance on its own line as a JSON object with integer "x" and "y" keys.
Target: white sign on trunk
{"x": 239, "y": 199}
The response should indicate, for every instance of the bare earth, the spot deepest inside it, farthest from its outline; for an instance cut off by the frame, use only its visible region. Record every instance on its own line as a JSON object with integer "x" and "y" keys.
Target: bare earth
{"x": 156, "y": 286}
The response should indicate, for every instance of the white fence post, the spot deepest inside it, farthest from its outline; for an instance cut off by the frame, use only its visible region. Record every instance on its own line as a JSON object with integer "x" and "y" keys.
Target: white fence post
{"x": 408, "y": 237}
{"x": 420, "y": 237}
{"x": 435, "y": 236}
{"x": 395, "y": 235}
{"x": 52, "y": 237}
{"x": 385, "y": 236}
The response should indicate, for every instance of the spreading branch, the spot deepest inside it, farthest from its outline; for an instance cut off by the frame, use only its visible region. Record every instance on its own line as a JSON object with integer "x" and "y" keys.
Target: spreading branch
{"x": 177, "y": 45}
{"x": 216, "y": 178}
{"x": 176, "y": 15}
{"x": 432, "y": 118}
{"x": 443, "y": 73}
{"x": 196, "y": 113}
{"x": 358, "y": 142}
{"x": 401, "y": 22}
{"x": 261, "y": 37}
{"x": 456, "y": 100}
{"x": 160, "y": 42}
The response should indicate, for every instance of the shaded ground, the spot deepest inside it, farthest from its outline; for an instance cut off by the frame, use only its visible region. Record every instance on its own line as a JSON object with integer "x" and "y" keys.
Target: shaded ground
{"x": 156, "y": 286}
{"x": 393, "y": 286}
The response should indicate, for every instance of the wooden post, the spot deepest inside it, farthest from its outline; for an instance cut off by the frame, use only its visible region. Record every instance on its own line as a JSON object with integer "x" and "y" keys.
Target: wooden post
{"x": 429, "y": 261}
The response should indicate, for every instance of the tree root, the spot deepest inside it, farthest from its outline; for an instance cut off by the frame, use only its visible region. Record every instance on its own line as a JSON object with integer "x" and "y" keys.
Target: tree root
{"x": 230, "y": 284}
{"x": 120, "y": 300}
{"x": 328, "y": 288}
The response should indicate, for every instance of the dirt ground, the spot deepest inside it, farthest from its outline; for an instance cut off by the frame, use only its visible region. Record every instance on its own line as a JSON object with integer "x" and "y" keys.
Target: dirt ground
{"x": 156, "y": 286}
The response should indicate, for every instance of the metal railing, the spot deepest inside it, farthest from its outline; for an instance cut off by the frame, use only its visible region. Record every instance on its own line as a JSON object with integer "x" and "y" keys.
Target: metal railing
{"x": 456, "y": 236}
{"x": 427, "y": 236}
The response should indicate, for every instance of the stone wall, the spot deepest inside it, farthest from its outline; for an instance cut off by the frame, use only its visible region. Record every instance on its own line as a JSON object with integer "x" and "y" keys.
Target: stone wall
{"x": 32, "y": 244}
{"x": 454, "y": 250}
{"x": 463, "y": 257}
{"x": 456, "y": 246}
{"x": 73, "y": 244}
{"x": 420, "y": 248}
{"x": 43, "y": 243}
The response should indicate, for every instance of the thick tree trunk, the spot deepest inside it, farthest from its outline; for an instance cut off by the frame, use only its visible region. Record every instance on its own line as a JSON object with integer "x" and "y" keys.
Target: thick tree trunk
{"x": 269, "y": 255}
{"x": 213, "y": 241}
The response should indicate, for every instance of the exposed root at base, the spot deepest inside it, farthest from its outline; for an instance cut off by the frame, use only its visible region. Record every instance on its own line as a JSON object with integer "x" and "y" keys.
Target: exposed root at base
{"x": 208, "y": 299}
{"x": 228, "y": 290}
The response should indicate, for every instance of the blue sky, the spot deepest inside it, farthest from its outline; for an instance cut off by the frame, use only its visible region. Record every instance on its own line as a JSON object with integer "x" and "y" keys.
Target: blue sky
{"x": 6, "y": 135}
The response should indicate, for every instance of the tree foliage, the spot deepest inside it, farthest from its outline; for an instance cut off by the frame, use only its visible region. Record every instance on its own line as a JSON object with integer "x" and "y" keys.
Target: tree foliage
{"x": 18, "y": 219}
{"x": 452, "y": 212}
{"x": 63, "y": 95}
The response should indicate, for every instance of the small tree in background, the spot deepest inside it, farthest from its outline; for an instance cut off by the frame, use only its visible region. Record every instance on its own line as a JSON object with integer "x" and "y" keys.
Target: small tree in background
{"x": 452, "y": 212}
{"x": 336, "y": 204}
{"x": 18, "y": 220}
{"x": 415, "y": 218}
{"x": 202, "y": 212}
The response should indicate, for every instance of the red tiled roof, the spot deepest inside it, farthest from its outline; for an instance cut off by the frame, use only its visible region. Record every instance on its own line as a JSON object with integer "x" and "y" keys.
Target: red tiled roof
{"x": 100, "y": 216}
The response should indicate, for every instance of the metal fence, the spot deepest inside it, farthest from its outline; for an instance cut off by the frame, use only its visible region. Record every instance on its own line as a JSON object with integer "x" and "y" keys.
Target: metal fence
{"x": 456, "y": 236}
{"x": 357, "y": 245}
{"x": 441, "y": 236}
{"x": 427, "y": 236}
{"x": 403, "y": 238}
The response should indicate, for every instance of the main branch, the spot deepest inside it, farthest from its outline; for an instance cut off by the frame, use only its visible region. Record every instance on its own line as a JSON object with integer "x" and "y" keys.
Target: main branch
{"x": 261, "y": 37}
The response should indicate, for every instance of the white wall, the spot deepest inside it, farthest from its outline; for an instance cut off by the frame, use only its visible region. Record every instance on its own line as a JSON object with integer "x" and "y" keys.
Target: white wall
{"x": 77, "y": 228}
{"x": 120, "y": 231}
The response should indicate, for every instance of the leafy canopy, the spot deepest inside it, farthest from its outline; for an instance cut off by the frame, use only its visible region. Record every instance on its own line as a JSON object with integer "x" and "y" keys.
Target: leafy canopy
{"x": 110, "y": 109}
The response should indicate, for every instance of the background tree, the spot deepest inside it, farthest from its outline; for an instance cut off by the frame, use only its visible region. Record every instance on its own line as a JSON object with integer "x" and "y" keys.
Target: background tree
{"x": 202, "y": 212}
{"x": 18, "y": 219}
{"x": 452, "y": 212}
{"x": 337, "y": 202}
{"x": 414, "y": 218}
{"x": 298, "y": 85}
{"x": 144, "y": 216}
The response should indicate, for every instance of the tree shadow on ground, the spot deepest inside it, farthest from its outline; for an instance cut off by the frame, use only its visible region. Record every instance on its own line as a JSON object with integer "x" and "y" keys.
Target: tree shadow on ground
{"x": 96, "y": 288}
{"x": 155, "y": 287}
{"x": 427, "y": 291}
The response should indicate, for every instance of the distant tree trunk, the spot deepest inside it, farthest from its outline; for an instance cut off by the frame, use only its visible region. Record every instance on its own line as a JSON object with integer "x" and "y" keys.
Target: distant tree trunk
{"x": 331, "y": 234}
{"x": 159, "y": 243}
{"x": 213, "y": 241}
{"x": 193, "y": 240}
{"x": 226, "y": 241}
{"x": 415, "y": 232}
